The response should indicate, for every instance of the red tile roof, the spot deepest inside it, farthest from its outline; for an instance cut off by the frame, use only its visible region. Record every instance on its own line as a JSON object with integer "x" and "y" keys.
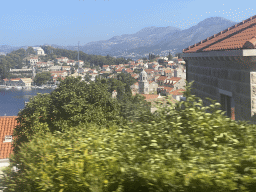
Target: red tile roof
{"x": 134, "y": 75}
{"x": 150, "y": 97}
{"x": 129, "y": 70}
{"x": 162, "y": 78}
{"x": 7, "y": 125}
{"x": 149, "y": 70}
{"x": 168, "y": 71}
{"x": 177, "y": 92}
{"x": 168, "y": 89}
{"x": 119, "y": 69}
{"x": 15, "y": 79}
{"x": 174, "y": 78}
{"x": 239, "y": 36}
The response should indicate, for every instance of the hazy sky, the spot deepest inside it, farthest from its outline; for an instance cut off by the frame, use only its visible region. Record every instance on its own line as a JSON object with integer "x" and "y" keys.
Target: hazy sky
{"x": 65, "y": 22}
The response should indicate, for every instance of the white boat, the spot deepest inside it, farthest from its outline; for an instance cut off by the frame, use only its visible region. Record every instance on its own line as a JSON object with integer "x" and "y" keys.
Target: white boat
{"x": 7, "y": 87}
{"x": 18, "y": 87}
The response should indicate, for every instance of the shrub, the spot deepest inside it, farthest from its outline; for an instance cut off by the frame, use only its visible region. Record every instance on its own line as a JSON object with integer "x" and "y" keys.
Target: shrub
{"x": 183, "y": 148}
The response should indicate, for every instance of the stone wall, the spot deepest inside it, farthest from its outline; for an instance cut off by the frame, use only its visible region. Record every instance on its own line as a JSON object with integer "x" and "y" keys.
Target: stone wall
{"x": 229, "y": 74}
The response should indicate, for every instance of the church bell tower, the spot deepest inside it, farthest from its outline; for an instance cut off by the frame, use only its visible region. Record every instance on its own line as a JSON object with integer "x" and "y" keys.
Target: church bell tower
{"x": 143, "y": 83}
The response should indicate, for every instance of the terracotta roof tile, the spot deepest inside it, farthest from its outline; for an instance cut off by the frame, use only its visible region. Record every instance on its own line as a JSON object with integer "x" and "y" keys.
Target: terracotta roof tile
{"x": 174, "y": 78}
{"x": 168, "y": 89}
{"x": 7, "y": 125}
{"x": 149, "y": 70}
{"x": 239, "y": 36}
{"x": 129, "y": 70}
{"x": 162, "y": 78}
{"x": 150, "y": 97}
{"x": 177, "y": 92}
{"x": 168, "y": 71}
{"x": 134, "y": 75}
{"x": 15, "y": 79}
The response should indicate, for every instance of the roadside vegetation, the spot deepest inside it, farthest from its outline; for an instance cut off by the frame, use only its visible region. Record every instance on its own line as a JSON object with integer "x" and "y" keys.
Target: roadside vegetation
{"x": 78, "y": 138}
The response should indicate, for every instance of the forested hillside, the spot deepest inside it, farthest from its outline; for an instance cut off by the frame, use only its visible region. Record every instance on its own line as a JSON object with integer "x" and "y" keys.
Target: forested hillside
{"x": 96, "y": 60}
{"x": 19, "y": 58}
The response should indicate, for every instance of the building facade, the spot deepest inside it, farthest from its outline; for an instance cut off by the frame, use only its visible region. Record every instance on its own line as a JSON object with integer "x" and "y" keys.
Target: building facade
{"x": 223, "y": 68}
{"x": 39, "y": 50}
{"x": 143, "y": 83}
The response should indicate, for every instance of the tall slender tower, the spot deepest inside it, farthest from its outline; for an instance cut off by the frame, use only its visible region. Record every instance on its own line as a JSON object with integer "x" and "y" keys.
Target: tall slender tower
{"x": 143, "y": 83}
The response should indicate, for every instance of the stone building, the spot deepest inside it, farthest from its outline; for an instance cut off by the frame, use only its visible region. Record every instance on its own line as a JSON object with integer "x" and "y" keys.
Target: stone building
{"x": 223, "y": 68}
{"x": 21, "y": 72}
{"x": 145, "y": 86}
{"x": 39, "y": 50}
{"x": 143, "y": 83}
{"x": 25, "y": 82}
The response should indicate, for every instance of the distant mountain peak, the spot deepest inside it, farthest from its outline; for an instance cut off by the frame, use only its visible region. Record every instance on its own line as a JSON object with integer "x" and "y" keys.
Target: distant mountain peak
{"x": 215, "y": 21}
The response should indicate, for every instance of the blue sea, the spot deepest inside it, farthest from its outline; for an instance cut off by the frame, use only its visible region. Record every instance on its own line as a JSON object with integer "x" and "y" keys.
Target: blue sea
{"x": 13, "y": 100}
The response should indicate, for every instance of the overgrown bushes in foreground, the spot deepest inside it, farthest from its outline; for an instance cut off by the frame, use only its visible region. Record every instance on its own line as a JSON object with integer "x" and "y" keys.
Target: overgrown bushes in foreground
{"x": 181, "y": 149}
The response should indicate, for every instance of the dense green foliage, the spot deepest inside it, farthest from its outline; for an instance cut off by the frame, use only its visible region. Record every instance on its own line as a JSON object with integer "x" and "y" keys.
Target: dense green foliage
{"x": 131, "y": 107}
{"x": 30, "y": 51}
{"x": 180, "y": 148}
{"x": 12, "y": 60}
{"x": 96, "y": 60}
{"x": 42, "y": 78}
{"x": 75, "y": 102}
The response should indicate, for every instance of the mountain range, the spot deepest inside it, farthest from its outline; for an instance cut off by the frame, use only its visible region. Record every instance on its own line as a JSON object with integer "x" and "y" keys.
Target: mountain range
{"x": 156, "y": 40}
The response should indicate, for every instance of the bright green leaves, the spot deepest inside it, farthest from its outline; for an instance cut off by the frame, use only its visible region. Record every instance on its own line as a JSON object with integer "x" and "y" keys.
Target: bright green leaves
{"x": 181, "y": 149}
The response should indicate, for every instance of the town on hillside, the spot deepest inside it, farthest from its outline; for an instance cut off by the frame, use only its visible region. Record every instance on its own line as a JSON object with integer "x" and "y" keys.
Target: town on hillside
{"x": 157, "y": 77}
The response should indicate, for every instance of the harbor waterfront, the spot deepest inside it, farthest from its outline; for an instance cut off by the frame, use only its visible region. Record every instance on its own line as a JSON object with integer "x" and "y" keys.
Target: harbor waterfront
{"x": 12, "y": 100}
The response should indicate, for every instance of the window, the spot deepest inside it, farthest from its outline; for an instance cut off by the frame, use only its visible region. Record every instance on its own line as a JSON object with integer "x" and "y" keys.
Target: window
{"x": 225, "y": 102}
{"x": 8, "y": 138}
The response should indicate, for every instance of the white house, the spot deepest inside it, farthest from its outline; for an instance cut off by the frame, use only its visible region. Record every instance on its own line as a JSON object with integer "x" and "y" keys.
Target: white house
{"x": 71, "y": 62}
{"x": 61, "y": 59}
{"x": 80, "y": 63}
{"x": 39, "y": 50}
{"x": 33, "y": 60}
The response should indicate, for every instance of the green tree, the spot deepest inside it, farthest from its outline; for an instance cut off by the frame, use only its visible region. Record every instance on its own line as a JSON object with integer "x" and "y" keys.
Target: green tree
{"x": 72, "y": 103}
{"x": 133, "y": 108}
{"x": 181, "y": 148}
{"x": 42, "y": 78}
{"x": 72, "y": 70}
{"x": 170, "y": 57}
{"x": 31, "y": 51}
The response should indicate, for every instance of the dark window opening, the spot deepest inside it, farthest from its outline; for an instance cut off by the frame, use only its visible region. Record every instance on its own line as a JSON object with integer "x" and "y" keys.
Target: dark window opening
{"x": 225, "y": 102}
